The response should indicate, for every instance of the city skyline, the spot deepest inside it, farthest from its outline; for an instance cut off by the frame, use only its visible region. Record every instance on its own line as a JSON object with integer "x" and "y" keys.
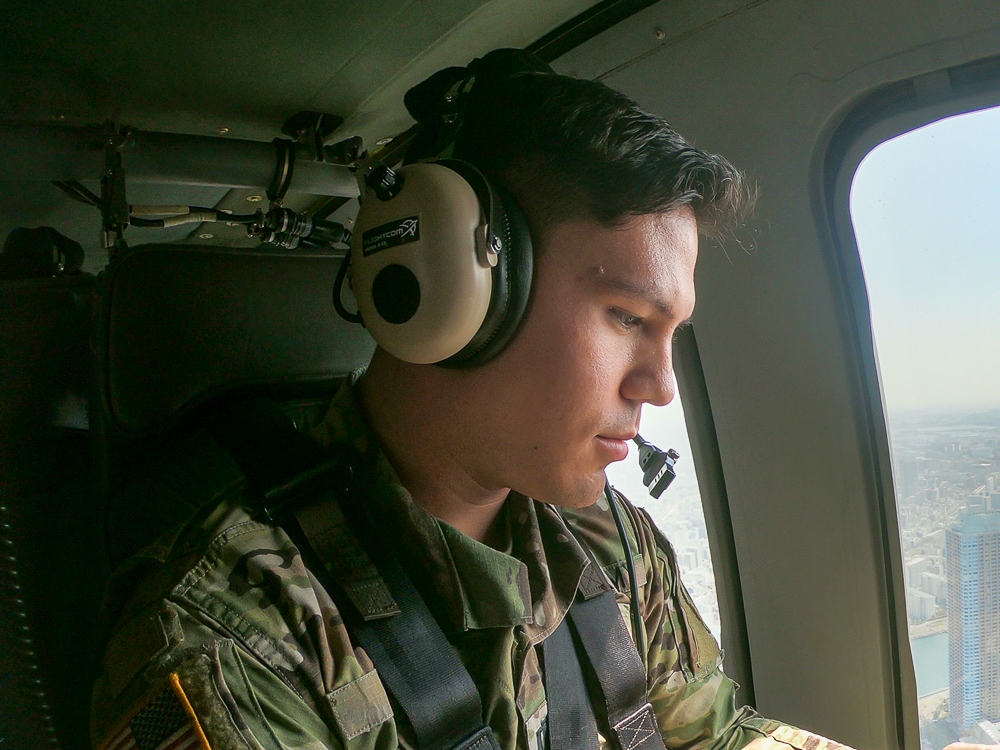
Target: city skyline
{"x": 946, "y": 467}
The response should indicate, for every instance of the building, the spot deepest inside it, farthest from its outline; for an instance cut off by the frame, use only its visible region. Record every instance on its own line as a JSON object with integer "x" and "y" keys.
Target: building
{"x": 985, "y": 733}
{"x": 920, "y": 605}
{"x": 916, "y": 566}
{"x": 972, "y": 555}
{"x": 935, "y": 585}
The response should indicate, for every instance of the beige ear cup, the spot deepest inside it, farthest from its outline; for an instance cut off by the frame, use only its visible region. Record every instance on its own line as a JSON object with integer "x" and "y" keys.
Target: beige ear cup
{"x": 418, "y": 266}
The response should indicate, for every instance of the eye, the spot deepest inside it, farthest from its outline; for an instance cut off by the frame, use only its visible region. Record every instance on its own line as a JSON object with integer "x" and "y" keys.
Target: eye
{"x": 680, "y": 328}
{"x": 625, "y": 319}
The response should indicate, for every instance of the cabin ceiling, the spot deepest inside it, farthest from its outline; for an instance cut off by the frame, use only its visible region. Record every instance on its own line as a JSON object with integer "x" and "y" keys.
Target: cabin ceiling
{"x": 200, "y": 67}
{"x": 233, "y": 70}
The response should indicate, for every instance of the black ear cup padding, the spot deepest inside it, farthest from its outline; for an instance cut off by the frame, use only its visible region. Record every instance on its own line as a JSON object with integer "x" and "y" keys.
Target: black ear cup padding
{"x": 511, "y": 275}
{"x": 396, "y": 293}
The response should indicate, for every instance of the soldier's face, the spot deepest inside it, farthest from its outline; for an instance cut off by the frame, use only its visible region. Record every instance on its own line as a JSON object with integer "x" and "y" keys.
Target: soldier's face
{"x": 561, "y": 402}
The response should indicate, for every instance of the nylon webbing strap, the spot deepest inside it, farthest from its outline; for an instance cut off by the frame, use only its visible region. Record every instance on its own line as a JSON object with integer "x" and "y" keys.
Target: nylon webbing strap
{"x": 417, "y": 663}
{"x": 571, "y": 717}
{"x": 621, "y": 680}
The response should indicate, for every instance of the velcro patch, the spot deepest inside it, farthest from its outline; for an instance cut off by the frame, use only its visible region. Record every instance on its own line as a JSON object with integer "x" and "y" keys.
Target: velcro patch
{"x": 360, "y": 705}
{"x": 163, "y": 720}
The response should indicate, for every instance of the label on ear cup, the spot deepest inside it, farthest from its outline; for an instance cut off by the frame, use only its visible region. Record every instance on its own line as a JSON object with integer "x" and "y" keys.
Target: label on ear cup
{"x": 394, "y": 233}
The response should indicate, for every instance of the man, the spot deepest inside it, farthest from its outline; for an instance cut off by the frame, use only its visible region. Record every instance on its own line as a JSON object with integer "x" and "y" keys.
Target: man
{"x": 489, "y": 478}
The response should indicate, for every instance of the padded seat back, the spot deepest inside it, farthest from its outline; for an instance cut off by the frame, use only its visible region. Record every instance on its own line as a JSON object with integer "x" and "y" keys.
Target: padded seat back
{"x": 180, "y": 326}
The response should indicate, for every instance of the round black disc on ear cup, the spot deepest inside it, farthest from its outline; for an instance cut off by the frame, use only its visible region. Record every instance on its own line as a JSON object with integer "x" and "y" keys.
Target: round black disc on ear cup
{"x": 511, "y": 275}
{"x": 396, "y": 293}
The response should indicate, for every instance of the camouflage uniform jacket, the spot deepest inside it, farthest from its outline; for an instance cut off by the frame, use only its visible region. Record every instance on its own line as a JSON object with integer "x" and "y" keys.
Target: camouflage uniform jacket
{"x": 224, "y": 638}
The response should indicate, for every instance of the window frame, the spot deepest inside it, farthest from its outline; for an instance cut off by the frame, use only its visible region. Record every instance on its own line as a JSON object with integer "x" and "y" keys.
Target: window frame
{"x": 874, "y": 118}
{"x": 707, "y": 461}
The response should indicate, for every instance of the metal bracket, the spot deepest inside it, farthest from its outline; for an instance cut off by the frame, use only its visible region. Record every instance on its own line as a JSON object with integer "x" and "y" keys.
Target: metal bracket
{"x": 312, "y": 128}
{"x": 114, "y": 204}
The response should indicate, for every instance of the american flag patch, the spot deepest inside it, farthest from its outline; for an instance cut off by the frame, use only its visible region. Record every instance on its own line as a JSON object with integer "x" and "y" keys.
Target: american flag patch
{"x": 165, "y": 721}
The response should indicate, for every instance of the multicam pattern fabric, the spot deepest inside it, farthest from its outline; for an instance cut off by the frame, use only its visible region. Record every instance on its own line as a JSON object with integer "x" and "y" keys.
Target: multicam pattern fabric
{"x": 226, "y": 601}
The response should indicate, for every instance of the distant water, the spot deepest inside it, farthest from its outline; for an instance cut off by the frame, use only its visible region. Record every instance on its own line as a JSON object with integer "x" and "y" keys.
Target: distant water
{"x": 930, "y": 660}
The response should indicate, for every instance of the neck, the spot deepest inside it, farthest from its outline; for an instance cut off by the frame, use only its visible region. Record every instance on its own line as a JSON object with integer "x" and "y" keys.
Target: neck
{"x": 409, "y": 411}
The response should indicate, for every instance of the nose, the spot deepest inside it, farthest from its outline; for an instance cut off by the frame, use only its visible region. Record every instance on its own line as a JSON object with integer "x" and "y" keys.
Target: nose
{"x": 651, "y": 379}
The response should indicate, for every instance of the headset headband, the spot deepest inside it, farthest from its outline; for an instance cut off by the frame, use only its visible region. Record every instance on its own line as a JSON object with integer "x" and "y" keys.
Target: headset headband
{"x": 439, "y": 103}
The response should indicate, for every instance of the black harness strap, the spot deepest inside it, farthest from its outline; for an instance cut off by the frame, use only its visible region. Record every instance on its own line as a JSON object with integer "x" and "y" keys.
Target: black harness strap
{"x": 571, "y": 718}
{"x": 414, "y": 658}
{"x": 616, "y": 672}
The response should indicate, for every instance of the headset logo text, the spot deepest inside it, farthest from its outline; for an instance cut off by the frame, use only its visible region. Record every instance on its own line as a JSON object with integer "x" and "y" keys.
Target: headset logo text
{"x": 394, "y": 233}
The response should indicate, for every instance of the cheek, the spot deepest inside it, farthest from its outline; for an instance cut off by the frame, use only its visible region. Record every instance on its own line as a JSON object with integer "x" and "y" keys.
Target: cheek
{"x": 577, "y": 360}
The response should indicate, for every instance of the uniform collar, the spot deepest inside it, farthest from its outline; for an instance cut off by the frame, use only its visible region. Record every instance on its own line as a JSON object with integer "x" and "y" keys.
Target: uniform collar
{"x": 467, "y": 584}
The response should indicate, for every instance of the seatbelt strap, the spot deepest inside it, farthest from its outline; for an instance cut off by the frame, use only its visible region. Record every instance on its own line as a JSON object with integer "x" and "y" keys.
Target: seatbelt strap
{"x": 615, "y": 671}
{"x": 618, "y": 679}
{"x": 414, "y": 658}
{"x": 571, "y": 719}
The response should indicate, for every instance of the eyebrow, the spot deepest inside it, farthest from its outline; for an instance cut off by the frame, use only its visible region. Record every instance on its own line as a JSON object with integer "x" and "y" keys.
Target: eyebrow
{"x": 645, "y": 292}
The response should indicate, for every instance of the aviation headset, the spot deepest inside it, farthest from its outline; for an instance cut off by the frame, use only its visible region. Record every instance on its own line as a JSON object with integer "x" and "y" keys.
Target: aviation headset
{"x": 441, "y": 255}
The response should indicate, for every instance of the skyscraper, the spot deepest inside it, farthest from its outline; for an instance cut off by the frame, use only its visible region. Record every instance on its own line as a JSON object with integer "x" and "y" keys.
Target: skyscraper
{"x": 972, "y": 553}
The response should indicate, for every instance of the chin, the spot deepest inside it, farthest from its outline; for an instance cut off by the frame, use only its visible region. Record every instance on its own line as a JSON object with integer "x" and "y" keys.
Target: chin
{"x": 576, "y": 494}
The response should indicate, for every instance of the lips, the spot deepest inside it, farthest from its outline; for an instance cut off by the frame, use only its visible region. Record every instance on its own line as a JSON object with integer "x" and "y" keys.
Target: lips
{"x": 626, "y": 436}
{"x": 615, "y": 447}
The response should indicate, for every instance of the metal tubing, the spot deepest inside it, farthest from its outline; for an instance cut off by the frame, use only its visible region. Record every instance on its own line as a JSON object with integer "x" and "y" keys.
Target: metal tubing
{"x": 51, "y": 152}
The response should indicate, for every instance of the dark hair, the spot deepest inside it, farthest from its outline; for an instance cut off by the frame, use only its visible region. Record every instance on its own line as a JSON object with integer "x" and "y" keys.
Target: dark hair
{"x": 572, "y": 149}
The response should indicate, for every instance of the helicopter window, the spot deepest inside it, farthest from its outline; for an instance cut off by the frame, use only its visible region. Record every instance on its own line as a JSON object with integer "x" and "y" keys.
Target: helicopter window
{"x": 678, "y": 511}
{"x": 923, "y": 207}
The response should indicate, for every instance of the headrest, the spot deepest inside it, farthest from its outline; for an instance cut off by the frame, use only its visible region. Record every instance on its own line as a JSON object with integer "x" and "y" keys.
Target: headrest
{"x": 181, "y": 324}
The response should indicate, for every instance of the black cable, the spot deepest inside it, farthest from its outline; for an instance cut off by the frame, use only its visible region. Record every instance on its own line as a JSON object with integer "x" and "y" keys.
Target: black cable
{"x": 223, "y": 216}
{"x": 138, "y": 221}
{"x": 77, "y": 192}
{"x": 633, "y": 580}
{"x": 283, "y": 170}
{"x": 338, "y": 288}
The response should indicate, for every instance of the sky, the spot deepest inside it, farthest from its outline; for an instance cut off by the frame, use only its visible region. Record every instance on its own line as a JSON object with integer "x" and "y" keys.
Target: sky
{"x": 926, "y": 212}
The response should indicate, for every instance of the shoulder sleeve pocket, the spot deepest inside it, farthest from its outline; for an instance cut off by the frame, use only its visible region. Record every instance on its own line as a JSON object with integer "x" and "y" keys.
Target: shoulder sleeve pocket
{"x": 698, "y": 650}
{"x": 705, "y": 653}
{"x": 269, "y": 714}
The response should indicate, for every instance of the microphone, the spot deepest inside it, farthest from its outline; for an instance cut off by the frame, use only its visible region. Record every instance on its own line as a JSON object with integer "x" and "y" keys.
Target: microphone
{"x": 657, "y": 466}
